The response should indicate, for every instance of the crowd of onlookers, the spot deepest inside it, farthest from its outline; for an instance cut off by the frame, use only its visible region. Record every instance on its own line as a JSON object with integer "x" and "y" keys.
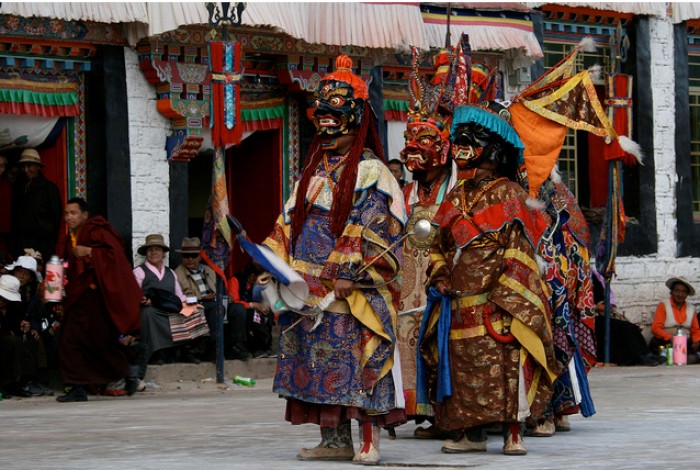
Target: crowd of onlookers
{"x": 30, "y": 326}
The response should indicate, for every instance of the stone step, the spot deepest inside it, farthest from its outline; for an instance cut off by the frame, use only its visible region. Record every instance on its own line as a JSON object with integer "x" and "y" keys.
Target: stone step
{"x": 259, "y": 368}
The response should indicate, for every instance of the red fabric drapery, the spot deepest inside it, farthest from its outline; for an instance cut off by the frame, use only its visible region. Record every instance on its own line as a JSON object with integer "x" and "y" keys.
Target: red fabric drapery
{"x": 619, "y": 104}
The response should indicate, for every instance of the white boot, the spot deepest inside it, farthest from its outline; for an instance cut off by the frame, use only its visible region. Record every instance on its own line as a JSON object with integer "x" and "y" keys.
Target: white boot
{"x": 369, "y": 445}
{"x": 512, "y": 440}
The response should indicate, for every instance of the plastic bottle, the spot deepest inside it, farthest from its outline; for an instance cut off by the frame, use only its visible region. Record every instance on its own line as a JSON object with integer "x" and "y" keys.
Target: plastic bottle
{"x": 669, "y": 354}
{"x": 680, "y": 348}
{"x": 247, "y": 381}
{"x": 54, "y": 280}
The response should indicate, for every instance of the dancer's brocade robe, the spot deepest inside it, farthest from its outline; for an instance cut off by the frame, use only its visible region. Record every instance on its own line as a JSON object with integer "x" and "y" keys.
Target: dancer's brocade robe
{"x": 347, "y": 359}
{"x": 420, "y": 205}
{"x": 488, "y": 255}
{"x": 573, "y": 309}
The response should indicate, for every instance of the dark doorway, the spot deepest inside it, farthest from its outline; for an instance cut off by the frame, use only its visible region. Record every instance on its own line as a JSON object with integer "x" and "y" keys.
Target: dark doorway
{"x": 254, "y": 178}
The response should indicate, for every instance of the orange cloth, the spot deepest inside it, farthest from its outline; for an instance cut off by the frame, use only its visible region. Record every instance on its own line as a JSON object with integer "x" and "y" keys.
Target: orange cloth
{"x": 543, "y": 139}
{"x": 657, "y": 326}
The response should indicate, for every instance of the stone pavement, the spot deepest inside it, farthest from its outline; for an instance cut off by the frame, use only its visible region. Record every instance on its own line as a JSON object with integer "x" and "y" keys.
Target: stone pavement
{"x": 647, "y": 418}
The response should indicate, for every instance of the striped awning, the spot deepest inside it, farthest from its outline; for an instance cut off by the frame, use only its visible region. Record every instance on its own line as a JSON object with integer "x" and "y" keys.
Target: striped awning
{"x": 492, "y": 29}
{"x": 363, "y": 24}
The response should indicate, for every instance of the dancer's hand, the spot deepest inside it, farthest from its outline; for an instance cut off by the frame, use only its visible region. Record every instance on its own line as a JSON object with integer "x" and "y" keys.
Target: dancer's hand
{"x": 343, "y": 288}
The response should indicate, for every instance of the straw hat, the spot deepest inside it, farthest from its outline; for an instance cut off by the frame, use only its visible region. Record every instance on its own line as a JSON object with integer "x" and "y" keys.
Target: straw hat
{"x": 190, "y": 245}
{"x": 154, "y": 239}
{"x": 681, "y": 280}
{"x": 9, "y": 288}
{"x": 30, "y": 156}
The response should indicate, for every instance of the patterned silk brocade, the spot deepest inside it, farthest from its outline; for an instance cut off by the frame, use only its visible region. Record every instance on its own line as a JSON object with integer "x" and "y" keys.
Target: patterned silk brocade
{"x": 497, "y": 275}
{"x": 346, "y": 360}
{"x": 416, "y": 256}
{"x": 413, "y": 297}
{"x": 573, "y": 321}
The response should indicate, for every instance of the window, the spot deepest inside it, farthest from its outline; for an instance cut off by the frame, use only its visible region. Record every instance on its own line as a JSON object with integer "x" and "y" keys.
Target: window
{"x": 694, "y": 101}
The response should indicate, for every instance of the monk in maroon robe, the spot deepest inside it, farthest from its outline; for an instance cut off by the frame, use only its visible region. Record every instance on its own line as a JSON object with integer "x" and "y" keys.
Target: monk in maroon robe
{"x": 102, "y": 302}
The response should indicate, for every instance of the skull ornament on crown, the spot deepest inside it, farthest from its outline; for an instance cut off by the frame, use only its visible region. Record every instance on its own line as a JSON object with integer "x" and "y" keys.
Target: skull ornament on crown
{"x": 339, "y": 101}
{"x": 427, "y": 134}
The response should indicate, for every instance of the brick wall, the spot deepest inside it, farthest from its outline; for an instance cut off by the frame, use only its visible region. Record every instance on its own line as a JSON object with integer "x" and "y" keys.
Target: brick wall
{"x": 640, "y": 284}
{"x": 150, "y": 178}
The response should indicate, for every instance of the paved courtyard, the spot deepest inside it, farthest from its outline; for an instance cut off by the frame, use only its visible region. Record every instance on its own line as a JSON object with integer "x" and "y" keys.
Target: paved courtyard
{"x": 647, "y": 418}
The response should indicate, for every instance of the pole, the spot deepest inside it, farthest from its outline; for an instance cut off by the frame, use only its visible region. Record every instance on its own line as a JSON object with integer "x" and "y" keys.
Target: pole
{"x": 220, "y": 312}
{"x": 606, "y": 357}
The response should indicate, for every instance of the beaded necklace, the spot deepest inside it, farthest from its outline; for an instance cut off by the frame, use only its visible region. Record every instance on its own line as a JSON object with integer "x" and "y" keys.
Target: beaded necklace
{"x": 329, "y": 175}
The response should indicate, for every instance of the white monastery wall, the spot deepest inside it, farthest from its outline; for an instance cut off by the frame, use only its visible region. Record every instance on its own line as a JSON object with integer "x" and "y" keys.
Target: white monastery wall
{"x": 150, "y": 172}
{"x": 640, "y": 282}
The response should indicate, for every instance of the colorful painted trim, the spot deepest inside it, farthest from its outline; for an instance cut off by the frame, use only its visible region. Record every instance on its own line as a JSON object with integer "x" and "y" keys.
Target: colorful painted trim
{"x": 291, "y": 153}
{"x": 75, "y": 149}
{"x": 62, "y": 30}
{"x": 48, "y": 99}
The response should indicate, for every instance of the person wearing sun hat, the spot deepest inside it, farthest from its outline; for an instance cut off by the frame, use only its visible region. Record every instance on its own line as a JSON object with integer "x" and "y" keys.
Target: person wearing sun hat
{"x": 18, "y": 312}
{"x": 25, "y": 269}
{"x": 665, "y": 326}
{"x": 36, "y": 208}
{"x": 10, "y": 343}
{"x": 156, "y": 329}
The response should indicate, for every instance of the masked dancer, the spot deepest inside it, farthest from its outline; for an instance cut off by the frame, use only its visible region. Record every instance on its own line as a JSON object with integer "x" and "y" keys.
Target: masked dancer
{"x": 426, "y": 157}
{"x": 488, "y": 348}
{"x": 345, "y": 205}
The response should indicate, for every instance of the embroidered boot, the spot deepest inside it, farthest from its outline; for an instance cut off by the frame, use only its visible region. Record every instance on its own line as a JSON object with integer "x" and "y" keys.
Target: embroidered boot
{"x": 512, "y": 440}
{"x": 561, "y": 423}
{"x": 543, "y": 428}
{"x": 369, "y": 444}
{"x": 330, "y": 447}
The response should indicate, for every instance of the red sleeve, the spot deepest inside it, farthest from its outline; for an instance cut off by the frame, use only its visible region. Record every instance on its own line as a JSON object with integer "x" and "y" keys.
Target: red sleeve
{"x": 657, "y": 326}
{"x": 233, "y": 295}
{"x": 694, "y": 328}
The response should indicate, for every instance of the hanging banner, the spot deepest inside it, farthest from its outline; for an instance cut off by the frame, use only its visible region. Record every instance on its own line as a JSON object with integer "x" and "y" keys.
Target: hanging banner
{"x": 226, "y": 73}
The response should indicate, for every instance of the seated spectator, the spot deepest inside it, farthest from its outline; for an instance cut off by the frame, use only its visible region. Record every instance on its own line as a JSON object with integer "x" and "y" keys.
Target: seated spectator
{"x": 33, "y": 353}
{"x": 199, "y": 282}
{"x": 156, "y": 329}
{"x": 10, "y": 336}
{"x": 397, "y": 169}
{"x": 246, "y": 289}
{"x": 627, "y": 344}
{"x": 676, "y": 313}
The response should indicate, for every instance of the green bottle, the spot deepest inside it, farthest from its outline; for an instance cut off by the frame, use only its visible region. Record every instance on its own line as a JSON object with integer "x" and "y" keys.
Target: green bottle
{"x": 669, "y": 355}
{"x": 247, "y": 381}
